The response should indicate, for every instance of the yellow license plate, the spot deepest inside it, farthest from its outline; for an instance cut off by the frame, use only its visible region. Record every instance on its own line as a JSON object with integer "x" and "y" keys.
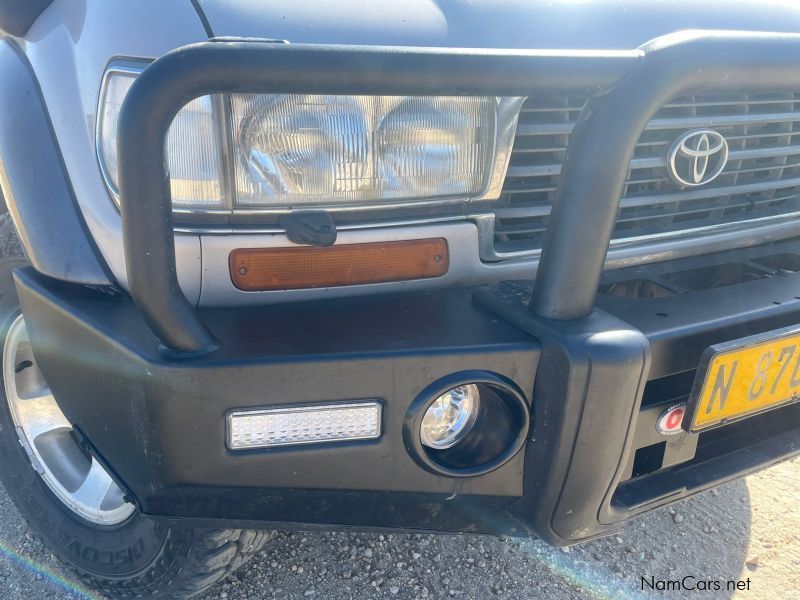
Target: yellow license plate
{"x": 744, "y": 377}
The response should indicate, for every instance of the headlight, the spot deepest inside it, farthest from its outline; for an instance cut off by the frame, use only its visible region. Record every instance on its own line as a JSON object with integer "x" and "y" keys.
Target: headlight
{"x": 276, "y": 152}
{"x": 353, "y": 149}
{"x": 193, "y": 146}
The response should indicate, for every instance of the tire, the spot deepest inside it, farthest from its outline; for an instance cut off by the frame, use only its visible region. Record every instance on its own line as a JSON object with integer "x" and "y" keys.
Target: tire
{"x": 138, "y": 557}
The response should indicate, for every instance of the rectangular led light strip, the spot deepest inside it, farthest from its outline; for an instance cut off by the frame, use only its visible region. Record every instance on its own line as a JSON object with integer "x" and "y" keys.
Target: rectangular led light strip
{"x": 308, "y": 424}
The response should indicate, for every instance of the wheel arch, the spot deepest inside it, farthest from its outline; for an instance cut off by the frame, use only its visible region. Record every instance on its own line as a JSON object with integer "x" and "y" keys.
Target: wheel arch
{"x": 34, "y": 184}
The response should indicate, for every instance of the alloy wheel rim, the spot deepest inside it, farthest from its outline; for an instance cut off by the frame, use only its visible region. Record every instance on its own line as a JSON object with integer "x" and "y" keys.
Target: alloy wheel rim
{"x": 77, "y": 479}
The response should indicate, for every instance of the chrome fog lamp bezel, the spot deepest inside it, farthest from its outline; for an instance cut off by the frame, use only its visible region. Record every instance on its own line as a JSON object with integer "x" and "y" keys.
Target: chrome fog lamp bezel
{"x": 505, "y": 117}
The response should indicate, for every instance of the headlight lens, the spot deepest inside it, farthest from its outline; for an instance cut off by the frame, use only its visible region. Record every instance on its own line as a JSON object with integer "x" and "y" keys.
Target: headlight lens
{"x": 193, "y": 145}
{"x": 354, "y": 149}
{"x": 293, "y": 150}
{"x": 115, "y": 89}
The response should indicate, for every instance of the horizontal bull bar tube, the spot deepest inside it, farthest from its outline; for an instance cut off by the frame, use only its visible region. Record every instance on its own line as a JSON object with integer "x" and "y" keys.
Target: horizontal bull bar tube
{"x": 248, "y": 66}
{"x": 605, "y": 135}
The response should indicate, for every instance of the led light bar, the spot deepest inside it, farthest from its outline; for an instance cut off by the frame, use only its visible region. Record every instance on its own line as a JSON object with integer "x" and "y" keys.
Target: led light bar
{"x": 309, "y": 424}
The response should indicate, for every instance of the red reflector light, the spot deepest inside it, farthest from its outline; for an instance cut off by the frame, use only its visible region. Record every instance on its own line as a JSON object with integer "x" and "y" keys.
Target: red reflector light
{"x": 671, "y": 419}
{"x": 264, "y": 269}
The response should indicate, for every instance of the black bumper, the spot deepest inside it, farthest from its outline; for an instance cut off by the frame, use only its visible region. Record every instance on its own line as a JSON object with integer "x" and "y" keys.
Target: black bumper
{"x": 148, "y": 385}
{"x": 595, "y": 387}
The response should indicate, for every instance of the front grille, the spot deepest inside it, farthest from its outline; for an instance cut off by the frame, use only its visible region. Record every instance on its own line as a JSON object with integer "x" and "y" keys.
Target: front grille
{"x": 761, "y": 179}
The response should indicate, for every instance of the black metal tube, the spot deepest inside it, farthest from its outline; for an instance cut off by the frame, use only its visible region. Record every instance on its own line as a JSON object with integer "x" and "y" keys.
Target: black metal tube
{"x": 604, "y": 137}
{"x": 593, "y": 174}
{"x": 262, "y": 67}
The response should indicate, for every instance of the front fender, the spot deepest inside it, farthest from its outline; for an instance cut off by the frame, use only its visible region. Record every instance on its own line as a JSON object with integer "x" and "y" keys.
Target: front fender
{"x": 34, "y": 182}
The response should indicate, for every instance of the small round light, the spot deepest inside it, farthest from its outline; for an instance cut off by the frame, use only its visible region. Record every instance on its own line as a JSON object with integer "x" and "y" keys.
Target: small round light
{"x": 450, "y": 417}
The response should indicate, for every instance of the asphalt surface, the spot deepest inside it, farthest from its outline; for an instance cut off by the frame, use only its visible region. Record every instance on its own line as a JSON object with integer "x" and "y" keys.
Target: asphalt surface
{"x": 746, "y": 530}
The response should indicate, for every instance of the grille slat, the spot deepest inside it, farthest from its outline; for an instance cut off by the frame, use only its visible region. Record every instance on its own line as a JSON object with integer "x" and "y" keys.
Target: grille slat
{"x": 524, "y": 129}
{"x": 707, "y": 192}
{"x": 762, "y": 177}
{"x": 520, "y": 212}
{"x": 721, "y": 121}
{"x": 741, "y": 103}
{"x": 656, "y": 163}
{"x": 698, "y": 207}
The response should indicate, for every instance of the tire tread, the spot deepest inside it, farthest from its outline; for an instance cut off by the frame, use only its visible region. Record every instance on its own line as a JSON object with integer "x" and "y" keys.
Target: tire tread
{"x": 208, "y": 556}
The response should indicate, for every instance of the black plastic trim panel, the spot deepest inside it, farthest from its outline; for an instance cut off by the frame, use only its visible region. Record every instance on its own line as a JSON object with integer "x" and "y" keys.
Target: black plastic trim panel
{"x": 17, "y": 16}
{"x": 35, "y": 185}
{"x": 681, "y": 326}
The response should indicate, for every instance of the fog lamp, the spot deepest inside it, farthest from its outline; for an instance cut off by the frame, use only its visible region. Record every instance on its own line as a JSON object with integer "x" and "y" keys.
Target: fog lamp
{"x": 450, "y": 417}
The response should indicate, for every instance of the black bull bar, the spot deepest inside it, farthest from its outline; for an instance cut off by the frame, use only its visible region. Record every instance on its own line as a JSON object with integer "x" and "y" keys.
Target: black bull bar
{"x": 582, "y": 365}
{"x": 631, "y": 87}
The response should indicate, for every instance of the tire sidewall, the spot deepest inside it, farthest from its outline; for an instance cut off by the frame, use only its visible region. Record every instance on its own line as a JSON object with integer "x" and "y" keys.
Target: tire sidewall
{"x": 120, "y": 551}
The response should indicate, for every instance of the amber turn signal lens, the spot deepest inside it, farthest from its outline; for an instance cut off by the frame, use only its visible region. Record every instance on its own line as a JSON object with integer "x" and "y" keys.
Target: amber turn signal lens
{"x": 263, "y": 269}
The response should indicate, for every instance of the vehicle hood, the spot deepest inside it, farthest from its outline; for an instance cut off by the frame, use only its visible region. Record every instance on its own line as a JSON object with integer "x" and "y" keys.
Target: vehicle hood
{"x": 601, "y": 24}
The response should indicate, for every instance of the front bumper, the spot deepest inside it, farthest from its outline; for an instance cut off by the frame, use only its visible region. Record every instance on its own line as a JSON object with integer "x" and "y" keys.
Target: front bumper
{"x": 147, "y": 380}
{"x": 595, "y": 385}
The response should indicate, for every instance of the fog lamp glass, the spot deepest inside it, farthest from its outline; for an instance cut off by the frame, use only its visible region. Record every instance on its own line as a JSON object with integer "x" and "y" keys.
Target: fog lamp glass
{"x": 290, "y": 425}
{"x": 450, "y": 417}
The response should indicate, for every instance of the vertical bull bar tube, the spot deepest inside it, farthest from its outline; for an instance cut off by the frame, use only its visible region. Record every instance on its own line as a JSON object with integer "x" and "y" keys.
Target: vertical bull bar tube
{"x": 604, "y": 139}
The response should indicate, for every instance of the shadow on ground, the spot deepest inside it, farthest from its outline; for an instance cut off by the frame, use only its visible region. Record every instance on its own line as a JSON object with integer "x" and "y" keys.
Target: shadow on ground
{"x": 707, "y": 537}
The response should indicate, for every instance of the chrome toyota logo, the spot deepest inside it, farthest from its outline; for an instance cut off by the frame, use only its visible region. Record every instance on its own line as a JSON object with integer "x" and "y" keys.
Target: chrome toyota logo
{"x": 697, "y": 157}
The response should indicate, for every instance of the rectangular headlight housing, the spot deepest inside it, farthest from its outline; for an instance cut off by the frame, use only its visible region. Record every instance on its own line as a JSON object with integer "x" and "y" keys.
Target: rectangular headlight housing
{"x": 311, "y": 149}
{"x": 308, "y": 424}
{"x": 276, "y": 152}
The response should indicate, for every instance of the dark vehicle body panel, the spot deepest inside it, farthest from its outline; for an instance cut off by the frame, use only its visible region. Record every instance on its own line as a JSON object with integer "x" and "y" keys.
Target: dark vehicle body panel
{"x": 34, "y": 181}
{"x": 521, "y": 24}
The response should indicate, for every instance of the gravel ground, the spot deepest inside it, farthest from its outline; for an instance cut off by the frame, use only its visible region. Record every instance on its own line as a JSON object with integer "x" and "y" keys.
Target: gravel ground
{"x": 749, "y": 529}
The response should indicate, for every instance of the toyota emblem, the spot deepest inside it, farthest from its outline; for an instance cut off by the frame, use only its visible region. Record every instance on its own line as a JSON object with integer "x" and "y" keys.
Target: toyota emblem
{"x": 697, "y": 157}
